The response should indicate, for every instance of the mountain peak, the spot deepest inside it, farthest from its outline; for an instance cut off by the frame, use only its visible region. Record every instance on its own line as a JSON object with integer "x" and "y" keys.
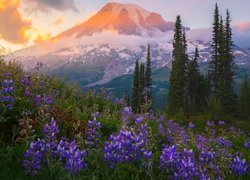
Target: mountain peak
{"x": 129, "y": 19}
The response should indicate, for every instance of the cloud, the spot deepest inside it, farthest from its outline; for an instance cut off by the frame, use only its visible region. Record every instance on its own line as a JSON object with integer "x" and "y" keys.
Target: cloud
{"x": 46, "y": 5}
{"x": 14, "y": 27}
{"x": 58, "y": 21}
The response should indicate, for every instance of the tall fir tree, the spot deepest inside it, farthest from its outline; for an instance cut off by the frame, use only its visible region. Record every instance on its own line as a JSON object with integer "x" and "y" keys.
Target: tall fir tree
{"x": 213, "y": 68}
{"x": 220, "y": 88}
{"x": 142, "y": 83}
{"x": 176, "y": 93}
{"x": 135, "y": 91}
{"x": 185, "y": 63}
{"x": 194, "y": 85}
{"x": 244, "y": 100}
{"x": 229, "y": 99}
{"x": 148, "y": 78}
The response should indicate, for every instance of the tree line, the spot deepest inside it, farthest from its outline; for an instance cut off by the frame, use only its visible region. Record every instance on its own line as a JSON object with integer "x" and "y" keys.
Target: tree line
{"x": 191, "y": 91}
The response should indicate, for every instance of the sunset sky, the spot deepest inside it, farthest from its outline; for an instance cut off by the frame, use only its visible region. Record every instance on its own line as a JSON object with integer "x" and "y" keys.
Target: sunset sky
{"x": 25, "y": 22}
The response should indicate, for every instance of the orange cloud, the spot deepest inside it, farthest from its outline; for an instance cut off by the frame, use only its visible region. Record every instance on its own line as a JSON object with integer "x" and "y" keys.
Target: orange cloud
{"x": 13, "y": 25}
{"x": 58, "y": 21}
{"x": 37, "y": 36}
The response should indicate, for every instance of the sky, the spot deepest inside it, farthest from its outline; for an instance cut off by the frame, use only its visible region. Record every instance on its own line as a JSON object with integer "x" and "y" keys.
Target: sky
{"x": 26, "y": 22}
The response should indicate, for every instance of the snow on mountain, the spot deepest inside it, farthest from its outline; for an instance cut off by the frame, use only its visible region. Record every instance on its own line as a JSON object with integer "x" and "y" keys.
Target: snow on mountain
{"x": 128, "y": 19}
{"x": 107, "y": 45}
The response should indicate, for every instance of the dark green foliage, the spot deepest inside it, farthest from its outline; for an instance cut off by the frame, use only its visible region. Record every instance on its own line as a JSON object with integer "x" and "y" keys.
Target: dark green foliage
{"x": 222, "y": 64}
{"x": 176, "y": 94}
{"x": 141, "y": 83}
{"x": 135, "y": 92}
{"x": 229, "y": 100}
{"x": 244, "y": 100}
{"x": 194, "y": 85}
{"x": 148, "y": 78}
{"x": 213, "y": 71}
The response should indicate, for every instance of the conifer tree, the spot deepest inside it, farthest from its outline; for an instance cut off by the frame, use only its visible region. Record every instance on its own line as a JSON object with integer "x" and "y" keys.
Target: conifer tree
{"x": 176, "y": 93}
{"x": 148, "y": 79}
{"x": 185, "y": 59}
{"x": 141, "y": 83}
{"x": 213, "y": 69}
{"x": 194, "y": 89}
{"x": 135, "y": 90}
{"x": 228, "y": 69}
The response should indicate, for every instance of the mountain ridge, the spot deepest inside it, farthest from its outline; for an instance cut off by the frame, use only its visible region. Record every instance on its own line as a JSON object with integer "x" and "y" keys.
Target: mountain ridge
{"x": 95, "y": 53}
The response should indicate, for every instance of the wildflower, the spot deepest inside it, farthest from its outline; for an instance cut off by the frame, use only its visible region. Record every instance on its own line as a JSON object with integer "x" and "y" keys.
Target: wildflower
{"x": 221, "y": 123}
{"x": 210, "y": 123}
{"x": 74, "y": 157}
{"x": 224, "y": 142}
{"x": 48, "y": 99}
{"x": 138, "y": 120}
{"x": 7, "y": 93}
{"x": 38, "y": 100}
{"x": 191, "y": 125}
{"x": 239, "y": 166}
{"x": 93, "y": 135}
{"x": 247, "y": 144}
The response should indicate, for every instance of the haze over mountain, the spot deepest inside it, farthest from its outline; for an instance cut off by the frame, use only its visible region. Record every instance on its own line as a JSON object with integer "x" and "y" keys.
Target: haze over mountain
{"x": 106, "y": 45}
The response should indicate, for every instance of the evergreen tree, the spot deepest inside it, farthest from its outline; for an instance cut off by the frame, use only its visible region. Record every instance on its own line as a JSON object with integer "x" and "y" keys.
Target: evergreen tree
{"x": 185, "y": 59}
{"x": 213, "y": 69}
{"x": 244, "y": 100}
{"x": 228, "y": 63}
{"x": 135, "y": 90}
{"x": 220, "y": 88}
{"x": 141, "y": 83}
{"x": 148, "y": 79}
{"x": 194, "y": 84}
{"x": 176, "y": 93}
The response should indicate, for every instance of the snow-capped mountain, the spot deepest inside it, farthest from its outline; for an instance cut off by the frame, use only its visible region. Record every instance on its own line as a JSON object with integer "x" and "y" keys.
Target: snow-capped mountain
{"x": 107, "y": 45}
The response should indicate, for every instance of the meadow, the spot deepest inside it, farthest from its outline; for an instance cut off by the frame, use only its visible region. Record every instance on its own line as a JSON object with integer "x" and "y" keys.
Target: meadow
{"x": 52, "y": 130}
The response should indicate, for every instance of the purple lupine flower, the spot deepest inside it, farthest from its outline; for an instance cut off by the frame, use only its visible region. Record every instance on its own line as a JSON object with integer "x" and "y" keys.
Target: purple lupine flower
{"x": 139, "y": 120}
{"x": 26, "y": 80}
{"x": 181, "y": 165}
{"x": 51, "y": 130}
{"x": 128, "y": 146}
{"x": 73, "y": 156}
{"x": 187, "y": 165}
{"x": 210, "y": 123}
{"x": 7, "y": 93}
{"x": 161, "y": 119}
{"x": 224, "y": 142}
{"x": 34, "y": 157}
{"x": 247, "y": 144}
{"x": 42, "y": 151}
{"x": 93, "y": 134}
{"x": 191, "y": 125}
{"x": 96, "y": 115}
{"x": 239, "y": 166}
{"x": 207, "y": 155}
{"x": 38, "y": 100}
{"x": 169, "y": 157}
{"x": 27, "y": 92}
{"x": 221, "y": 123}
{"x": 48, "y": 100}
{"x": 121, "y": 148}
{"x": 127, "y": 114}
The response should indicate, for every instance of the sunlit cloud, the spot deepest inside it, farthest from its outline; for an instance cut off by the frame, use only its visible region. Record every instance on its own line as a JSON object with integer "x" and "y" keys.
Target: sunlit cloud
{"x": 13, "y": 25}
{"x": 58, "y": 21}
